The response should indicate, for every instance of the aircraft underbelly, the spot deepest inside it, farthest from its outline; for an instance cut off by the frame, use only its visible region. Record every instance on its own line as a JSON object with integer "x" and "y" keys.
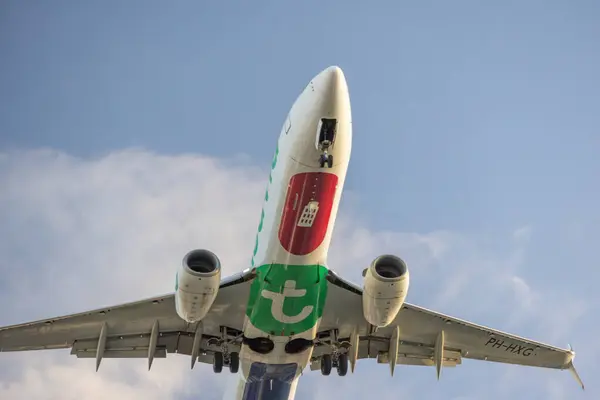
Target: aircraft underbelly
{"x": 270, "y": 381}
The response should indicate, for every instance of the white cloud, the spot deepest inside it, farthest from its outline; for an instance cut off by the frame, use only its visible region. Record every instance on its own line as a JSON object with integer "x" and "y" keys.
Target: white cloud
{"x": 82, "y": 233}
{"x": 523, "y": 233}
{"x": 522, "y": 291}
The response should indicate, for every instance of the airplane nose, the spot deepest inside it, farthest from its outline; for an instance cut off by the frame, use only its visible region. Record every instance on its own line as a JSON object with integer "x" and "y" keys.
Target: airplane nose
{"x": 325, "y": 98}
{"x": 335, "y": 79}
{"x": 331, "y": 82}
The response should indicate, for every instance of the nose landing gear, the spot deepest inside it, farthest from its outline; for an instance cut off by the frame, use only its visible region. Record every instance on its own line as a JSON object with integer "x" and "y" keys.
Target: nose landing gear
{"x": 325, "y": 140}
{"x": 326, "y": 159}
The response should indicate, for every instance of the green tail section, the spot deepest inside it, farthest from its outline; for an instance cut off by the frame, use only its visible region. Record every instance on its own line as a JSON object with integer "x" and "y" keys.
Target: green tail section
{"x": 287, "y": 300}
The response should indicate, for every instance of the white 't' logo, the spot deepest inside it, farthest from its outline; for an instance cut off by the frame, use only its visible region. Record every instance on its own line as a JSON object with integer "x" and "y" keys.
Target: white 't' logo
{"x": 278, "y": 299}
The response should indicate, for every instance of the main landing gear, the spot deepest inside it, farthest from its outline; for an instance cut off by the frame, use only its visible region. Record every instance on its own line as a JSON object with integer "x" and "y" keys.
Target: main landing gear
{"x": 232, "y": 360}
{"x": 338, "y": 358}
{"x": 339, "y": 361}
{"x": 224, "y": 357}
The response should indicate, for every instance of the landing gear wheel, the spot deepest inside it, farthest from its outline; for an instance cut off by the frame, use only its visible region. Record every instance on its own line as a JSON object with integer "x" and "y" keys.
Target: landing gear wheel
{"x": 326, "y": 364}
{"x": 323, "y": 160}
{"x": 326, "y": 159}
{"x": 342, "y": 365}
{"x": 234, "y": 362}
{"x": 218, "y": 363}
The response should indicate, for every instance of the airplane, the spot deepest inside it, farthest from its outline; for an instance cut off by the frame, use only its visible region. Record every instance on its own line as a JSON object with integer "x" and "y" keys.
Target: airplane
{"x": 288, "y": 310}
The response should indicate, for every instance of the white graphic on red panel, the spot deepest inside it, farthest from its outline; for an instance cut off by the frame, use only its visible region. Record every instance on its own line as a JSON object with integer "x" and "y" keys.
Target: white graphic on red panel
{"x": 309, "y": 214}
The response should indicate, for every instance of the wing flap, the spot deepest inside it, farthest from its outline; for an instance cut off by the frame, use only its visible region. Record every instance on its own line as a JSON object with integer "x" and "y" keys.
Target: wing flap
{"x": 410, "y": 354}
{"x": 160, "y": 353}
{"x": 426, "y": 362}
{"x": 168, "y": 341}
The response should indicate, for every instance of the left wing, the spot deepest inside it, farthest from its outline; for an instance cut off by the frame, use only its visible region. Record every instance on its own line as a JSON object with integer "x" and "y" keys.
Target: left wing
{"x": 426, "y": 337}
{"x": 148, "y": 328}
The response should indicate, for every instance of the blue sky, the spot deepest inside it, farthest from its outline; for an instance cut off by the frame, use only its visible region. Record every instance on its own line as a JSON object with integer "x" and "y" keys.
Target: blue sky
{"x": 472, "y": 121}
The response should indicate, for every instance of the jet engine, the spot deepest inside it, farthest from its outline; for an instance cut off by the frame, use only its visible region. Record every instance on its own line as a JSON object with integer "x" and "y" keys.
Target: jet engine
{"x": 197, "y": 284}
{"x": 385, "y": 287}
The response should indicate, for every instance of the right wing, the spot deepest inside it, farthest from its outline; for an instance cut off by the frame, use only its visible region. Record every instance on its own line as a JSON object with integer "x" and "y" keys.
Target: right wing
{"x": 148, "y": 328}
{"x": 426, "y": 337}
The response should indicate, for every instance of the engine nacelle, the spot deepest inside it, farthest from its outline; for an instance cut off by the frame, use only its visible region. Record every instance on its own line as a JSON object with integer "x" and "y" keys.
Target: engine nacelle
{"x": 197, "y": 285}
{"x": 385, "y": 288}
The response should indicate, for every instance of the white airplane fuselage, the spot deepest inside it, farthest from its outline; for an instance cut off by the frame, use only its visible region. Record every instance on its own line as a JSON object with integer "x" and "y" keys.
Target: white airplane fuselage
{"x": 292, "y": 242}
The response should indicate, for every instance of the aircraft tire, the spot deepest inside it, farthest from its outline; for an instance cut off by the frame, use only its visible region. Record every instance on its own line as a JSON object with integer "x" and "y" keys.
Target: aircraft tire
{"x": 326, "y": 364}
{"x": 218, "y": 363}
{"x": 342, "y": 365}
{"x": 234, "y": 362}
{"x": 323, "y": 160}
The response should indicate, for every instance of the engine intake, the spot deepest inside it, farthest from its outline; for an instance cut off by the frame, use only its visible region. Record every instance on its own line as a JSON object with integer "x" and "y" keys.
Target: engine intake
{"x": 389, "y": 267}
{"x": 385, "y": 288}
{"x": 201, "y": 262}
{"x": 197, "y": 285}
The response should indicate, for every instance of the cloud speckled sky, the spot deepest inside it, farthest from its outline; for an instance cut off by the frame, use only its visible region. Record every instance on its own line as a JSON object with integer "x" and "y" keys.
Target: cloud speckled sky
{"x": 132, "y": 133}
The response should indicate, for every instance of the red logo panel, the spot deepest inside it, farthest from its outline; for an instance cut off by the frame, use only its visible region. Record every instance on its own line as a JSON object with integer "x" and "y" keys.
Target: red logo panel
{"x": 306, "y": 213}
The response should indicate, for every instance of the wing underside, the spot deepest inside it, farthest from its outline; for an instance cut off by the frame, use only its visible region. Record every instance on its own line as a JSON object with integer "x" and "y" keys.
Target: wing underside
{"x": 429, "y": 338}
{"x": 149, "y": 328}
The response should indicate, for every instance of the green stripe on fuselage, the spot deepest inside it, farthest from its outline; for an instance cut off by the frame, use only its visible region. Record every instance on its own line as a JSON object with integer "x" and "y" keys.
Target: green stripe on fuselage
{"x": 287, "y": 299}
